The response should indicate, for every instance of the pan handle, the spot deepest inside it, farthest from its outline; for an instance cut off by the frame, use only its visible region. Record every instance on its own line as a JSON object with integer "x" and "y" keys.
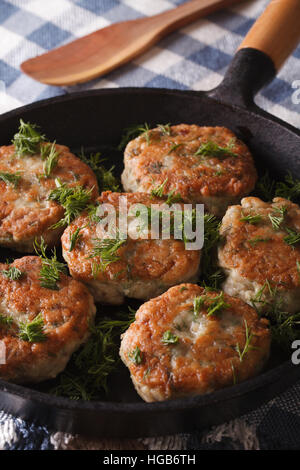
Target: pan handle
{"x": 267, "y": 45}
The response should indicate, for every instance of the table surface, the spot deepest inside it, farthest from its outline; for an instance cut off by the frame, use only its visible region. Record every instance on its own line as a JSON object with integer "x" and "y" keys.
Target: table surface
{"x": 196, "y": 58}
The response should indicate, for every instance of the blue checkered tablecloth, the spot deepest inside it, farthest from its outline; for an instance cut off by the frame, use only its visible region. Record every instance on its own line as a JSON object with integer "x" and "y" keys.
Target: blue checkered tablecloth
{"x": 195, "y": 58}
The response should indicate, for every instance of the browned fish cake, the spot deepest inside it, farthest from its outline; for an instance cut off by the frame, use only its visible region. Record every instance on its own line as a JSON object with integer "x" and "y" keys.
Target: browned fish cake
{"x": 25, "y": 211}
{"x": 170, "y": 156}
{"x": 144, "y": 268}
{"x": 66, "y": 314}
{"x": 174, "y": 350}
{"x": 256, "y": 255}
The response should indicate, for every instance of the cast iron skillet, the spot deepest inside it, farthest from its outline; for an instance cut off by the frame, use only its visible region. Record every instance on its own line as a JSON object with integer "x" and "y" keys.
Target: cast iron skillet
{"x": 92, "y": 118}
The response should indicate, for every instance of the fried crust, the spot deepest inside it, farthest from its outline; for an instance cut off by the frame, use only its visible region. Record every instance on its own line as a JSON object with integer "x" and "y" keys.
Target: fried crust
{"x": 162, "y": 262}
{"x": 258, "y": 251}
{"x": 172, "y": 157}
{"x": 66, "y": 313}
{"x": 205, "y": 358}
{"x": 25, "y": 212}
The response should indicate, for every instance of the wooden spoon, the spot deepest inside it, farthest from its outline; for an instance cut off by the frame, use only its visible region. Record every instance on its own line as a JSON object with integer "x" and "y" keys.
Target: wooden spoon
{"x": 105, "y": 49}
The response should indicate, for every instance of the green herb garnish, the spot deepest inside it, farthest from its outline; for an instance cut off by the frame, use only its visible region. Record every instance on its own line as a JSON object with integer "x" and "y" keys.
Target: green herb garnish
{"x": 252, "y": 219}
{"x": 51, "y": 267}
{"x": 106, "y": 249}
{"x": 298, "y": 269}
{"x": 74, "y": 237}
{"x": 135, "y": 356}
{"x": 51, "y": 157}
{"x": 12, "y": 273}
{"x": 277, "y": 217}
{"x": 211, "y": 273}
{"x": 216, "y": 304}
{"x": 6, "y": 321}
{"x": 130, "y": 133}
{"x": 174, "y": 147}
{"x": 33, "y": 331}
{"x": 198, "y": 304}
{"x": 212, "y": 304}
{"x": 212, "y": 149}
{"x": 159, "y": 190}
{"x": 292, "y": 238}
{"x": 173, "y": 198}
{"x": 256, "y": 240}
{"x": 27, "y": 140}
{"x": 105, "y": 178}
{"x": 10, "y": 178}
{"x": 289, "y": 188}
{"x": 74, "y": 200}
{"x": 165, "y": 129}
{"x": 146, "y": 133}
{"x": 169, "y": 338}
{"x": 90, "y": 367}
{"x": 248, "y": 347}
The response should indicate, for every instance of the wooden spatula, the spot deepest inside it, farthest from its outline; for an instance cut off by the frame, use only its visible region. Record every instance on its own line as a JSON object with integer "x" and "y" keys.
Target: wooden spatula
{"x": 105, "y": 49}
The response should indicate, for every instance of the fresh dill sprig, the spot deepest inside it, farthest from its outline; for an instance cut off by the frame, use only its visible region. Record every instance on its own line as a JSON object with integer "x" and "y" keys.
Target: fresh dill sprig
{"x": 289, "y": 188}
{"x": 145, "y": 131}
{"x": 106, "y": 249}
{"x": 136, "y": 356}
{"x": 212, "y": 149}
{"x": 284, "y": 327}
{"x": 91, "y": 366}
{"x": 74, "y": 238}
{"x": 247, "y": 347}
{"x": 73, "y": 199}
{"x": 28, "y": 139}
{"x": 277, "y": 217}
{"x": 173, "y": 198}
{"x": 10, "y": 178}
{"x": 51, "y": 157}
{"x": 105, "y": 178}
{"x": 216, "y": 304}
{"x": 33, "y": 331}
{"x": 169, "y": 338}
{"x": 256, "y": 240}
{"x": 174, "y": 147}
{"x": 259, "y": 294}
{"x": 130, "y": 133}
{"x": 12, "y": 273}
{"x": 159, "y": 190}
{"x": 165, "y": 129}
{"x": 198, "y": 303}
{"x": 212, "y": 304}
{"x": 252, "y": 219}
{"x": 51, "y": 267}
{"x": 6, "y": 321}
{"x": 298, "y": 269}
{"x": 292, "y": 238}
{"x": 211, "y": 274}
{"x": 265, "y": 187}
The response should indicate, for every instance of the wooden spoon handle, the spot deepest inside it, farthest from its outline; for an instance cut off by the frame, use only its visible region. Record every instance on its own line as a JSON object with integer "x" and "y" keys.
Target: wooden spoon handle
{"x": 277, "y": 31}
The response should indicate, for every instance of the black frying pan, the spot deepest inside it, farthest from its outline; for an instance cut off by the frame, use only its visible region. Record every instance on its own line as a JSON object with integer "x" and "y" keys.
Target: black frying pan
{"x": 92, "y": 118}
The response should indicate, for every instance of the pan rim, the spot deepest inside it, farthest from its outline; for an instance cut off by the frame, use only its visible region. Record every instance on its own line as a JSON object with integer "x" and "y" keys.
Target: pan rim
{"x": 108, "y": 407}
{"x": 185, "y": 403}
{"x": 249, "y": 108}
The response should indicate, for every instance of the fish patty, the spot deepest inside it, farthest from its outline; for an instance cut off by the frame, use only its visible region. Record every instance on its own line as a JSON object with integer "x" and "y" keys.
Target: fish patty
{"x": 26, "y": 212}
{"x": 61, "y": 318}
{"x": 258, "y": 253}
{"x": 138, "y": 268}
{"x": 182, "y": 344}
{"x": 206, "y": 165}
